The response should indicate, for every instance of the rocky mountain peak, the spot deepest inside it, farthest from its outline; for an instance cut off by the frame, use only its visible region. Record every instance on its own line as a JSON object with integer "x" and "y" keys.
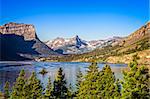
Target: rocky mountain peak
{"x": 25, "y": 30}
{"x": 77, "y": 37}
{"x": 79, "y": 42}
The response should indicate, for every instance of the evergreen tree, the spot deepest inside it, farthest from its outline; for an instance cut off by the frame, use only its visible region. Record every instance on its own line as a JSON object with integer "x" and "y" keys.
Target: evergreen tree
{"x": 70, "y": 93}
{"x": 18, "y": 91}
{"x": 88, "y": 87}
{"x": 48, "y": 93}
{"x": 136, "y": 82}
{"x": 117, "y": 89}
{"x": 79, "y": 78}
{"x": 107, "y": 87}
{"x": 35, "y": 88}
{"x": 6, "y": 90}
{"x": 60, "y": 90}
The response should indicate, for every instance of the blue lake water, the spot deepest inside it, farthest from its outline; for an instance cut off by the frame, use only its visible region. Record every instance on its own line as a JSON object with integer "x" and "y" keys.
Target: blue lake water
{"x": 9, "y": 71}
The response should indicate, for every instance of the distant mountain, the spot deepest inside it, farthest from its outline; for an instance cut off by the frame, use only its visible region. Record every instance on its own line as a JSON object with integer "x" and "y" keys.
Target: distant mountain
{"x": 105, "y": 42}
{"x": 20, "y": 42}
{"x": 73, "y": 45}
{"x": 76, "y": 45}
{"x": 120, "y": 50}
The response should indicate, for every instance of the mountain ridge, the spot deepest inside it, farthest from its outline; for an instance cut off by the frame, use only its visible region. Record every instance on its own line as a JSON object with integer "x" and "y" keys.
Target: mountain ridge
{"x": 76, "y": 45}
{"x": 20, "y": 42}
{"x": 137, "y": 43}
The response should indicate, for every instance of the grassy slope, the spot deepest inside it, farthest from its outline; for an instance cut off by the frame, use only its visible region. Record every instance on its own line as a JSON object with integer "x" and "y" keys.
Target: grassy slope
{"x": 144, "y": 57}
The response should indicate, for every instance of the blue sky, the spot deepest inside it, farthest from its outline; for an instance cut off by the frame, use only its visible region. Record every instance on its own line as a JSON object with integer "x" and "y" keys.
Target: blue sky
{"x": 90, "y": 19}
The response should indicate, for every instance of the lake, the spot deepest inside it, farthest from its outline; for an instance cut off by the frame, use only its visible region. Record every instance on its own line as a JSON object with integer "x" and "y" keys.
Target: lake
{"x": 9, "y": 71}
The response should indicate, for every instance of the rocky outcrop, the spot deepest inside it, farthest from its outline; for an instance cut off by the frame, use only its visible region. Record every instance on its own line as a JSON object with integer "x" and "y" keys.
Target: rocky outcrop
{"x": 25, "y": 30}
{"x": 20, "y": 42}
{"x": 140, "y": 34}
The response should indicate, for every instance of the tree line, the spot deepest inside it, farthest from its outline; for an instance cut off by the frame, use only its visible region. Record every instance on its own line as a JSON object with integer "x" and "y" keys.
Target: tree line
{"x": 95, "y": 84}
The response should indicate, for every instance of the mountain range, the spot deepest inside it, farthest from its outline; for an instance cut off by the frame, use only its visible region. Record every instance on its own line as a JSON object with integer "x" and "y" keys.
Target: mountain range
{"x": 121, "y": 51}
{"x": 19, "y": 41}
{"x": 76, "y": 45}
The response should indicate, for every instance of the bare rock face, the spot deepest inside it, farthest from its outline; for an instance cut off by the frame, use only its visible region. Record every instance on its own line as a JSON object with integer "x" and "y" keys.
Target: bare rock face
{"x": 142, "y": 33}
{"x": 25, "y": 30}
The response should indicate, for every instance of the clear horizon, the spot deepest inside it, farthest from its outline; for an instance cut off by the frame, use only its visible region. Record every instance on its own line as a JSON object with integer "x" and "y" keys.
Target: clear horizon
{"x": 90, "y": 19}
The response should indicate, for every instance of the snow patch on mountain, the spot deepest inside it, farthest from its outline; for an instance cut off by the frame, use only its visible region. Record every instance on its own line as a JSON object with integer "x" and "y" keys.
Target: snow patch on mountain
{"x": 76, "y": 45}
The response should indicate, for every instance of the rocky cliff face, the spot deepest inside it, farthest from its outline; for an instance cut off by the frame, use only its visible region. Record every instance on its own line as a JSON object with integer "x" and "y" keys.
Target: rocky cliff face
{"x": 20, "y": 42}
{"x": 25, "y": 30}
{"x": 140, "y": 34}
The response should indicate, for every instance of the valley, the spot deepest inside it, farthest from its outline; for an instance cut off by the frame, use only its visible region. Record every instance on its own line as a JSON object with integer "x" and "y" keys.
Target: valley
{"x": 119, "y": 50}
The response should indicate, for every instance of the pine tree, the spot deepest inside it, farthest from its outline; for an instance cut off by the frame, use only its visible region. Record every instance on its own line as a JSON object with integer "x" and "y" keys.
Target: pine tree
{"x": 136, "y": 82}
{"x": 88, "y": 88}
{"x": 18, "y": 91}
{"x": 70, "y": 93}
{"x": 117, "y": 89}
{"x": 107, "y": 86}
{"x": 48, "y": 93}
{"x": 60, "y": 90}
{"x": 79, "y": 78}
{"x": 35, "y": 88}
{"x": 6, "y": 90}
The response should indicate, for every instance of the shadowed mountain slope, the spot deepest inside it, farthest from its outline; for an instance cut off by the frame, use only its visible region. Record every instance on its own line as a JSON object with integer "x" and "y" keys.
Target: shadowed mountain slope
{"x": 20, "y": 42}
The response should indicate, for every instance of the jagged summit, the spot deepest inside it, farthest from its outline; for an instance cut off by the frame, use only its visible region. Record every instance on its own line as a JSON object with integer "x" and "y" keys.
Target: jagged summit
{"x": 76, "y": 45}
{"x": 60, "y": 41}
{"x": 79, "y": 42}
{"x": 72, "y": 45}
